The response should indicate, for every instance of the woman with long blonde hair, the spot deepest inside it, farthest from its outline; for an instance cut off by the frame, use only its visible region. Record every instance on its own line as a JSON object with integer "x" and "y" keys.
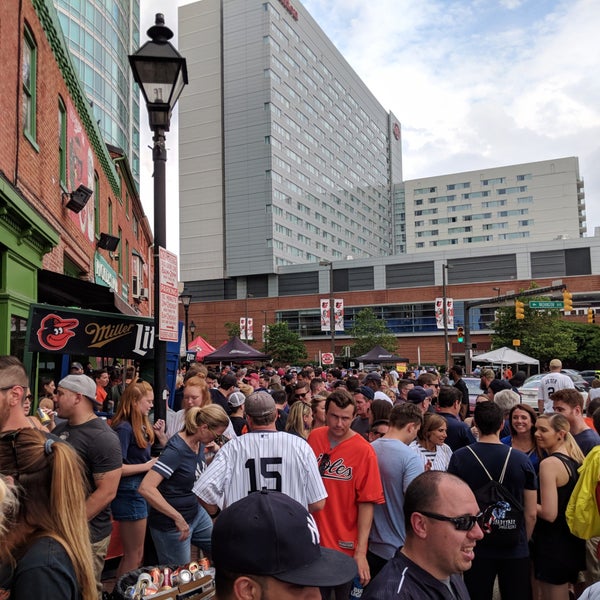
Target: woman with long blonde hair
{"x": 300, "y": 420}
{"x": 176, "y": 519}
{"x": 136, "y": 436}
{"x": 557, "y": 554}
{"x": 45, "y": 550}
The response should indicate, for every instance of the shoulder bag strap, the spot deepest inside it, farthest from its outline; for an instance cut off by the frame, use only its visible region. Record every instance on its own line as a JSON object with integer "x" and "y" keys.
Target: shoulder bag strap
{"x": 479, "y": 461}
{"x": 484, "y": 468}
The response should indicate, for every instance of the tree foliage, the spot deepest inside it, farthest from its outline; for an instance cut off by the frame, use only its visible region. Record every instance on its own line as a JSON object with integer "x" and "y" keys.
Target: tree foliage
{"x": 284, "y": 346}
{"x": 545, "y": 334}
{"x": 369, "y": 331}
{"x": 233, "y": 329}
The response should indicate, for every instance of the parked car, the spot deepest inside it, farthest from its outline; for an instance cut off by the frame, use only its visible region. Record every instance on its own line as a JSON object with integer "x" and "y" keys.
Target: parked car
{"x": 530, "y": 389}
{"x": 473, "y": 384}
{"x": 589, "y": 375}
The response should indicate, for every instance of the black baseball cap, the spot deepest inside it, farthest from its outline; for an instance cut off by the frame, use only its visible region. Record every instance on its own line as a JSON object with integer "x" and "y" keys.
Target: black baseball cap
{"x": 269, "y": 533}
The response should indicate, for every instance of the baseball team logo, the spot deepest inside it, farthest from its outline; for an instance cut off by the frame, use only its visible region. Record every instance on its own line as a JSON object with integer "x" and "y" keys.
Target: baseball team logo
{"x": 55, "y": 332}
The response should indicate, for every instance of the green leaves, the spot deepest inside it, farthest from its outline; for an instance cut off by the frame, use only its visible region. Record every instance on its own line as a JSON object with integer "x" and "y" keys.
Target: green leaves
{"x": 369, "y": 331}
{"x": 284, "y": 345}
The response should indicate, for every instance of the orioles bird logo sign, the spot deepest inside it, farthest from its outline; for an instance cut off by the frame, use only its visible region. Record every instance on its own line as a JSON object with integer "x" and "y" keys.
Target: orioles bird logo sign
{"x": 55, "y": 332}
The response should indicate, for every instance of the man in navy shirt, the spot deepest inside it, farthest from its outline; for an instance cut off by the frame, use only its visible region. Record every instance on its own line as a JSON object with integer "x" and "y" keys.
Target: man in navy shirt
{"x": 449, "y": 406}
{"x": 476, "y": 465}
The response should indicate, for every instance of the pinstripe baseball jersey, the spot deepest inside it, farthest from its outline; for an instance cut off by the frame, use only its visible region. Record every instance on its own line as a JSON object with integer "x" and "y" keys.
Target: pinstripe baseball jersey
{"x": 275, "y": 460}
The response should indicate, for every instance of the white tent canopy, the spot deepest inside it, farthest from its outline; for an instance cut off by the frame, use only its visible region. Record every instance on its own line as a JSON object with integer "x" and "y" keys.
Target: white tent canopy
{"x": 506, "y": 356}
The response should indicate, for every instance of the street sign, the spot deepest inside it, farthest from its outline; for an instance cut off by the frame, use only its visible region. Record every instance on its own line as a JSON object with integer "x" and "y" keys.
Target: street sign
{"x": 546, "y": 304}
{"x": 327, "y": 358}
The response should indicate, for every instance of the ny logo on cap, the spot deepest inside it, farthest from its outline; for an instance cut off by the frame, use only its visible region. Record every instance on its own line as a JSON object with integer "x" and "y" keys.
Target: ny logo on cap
{"x": 314, "y": 530}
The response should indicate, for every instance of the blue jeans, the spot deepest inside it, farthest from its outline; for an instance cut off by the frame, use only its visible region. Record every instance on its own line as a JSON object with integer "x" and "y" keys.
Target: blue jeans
{"x": 171, "y": 551}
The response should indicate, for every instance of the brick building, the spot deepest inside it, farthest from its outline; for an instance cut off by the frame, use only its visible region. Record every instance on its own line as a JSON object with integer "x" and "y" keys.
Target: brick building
{"x": 52, "y": 156}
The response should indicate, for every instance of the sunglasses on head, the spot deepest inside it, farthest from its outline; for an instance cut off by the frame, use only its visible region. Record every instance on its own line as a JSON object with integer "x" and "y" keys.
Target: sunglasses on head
{"x": 462, "y": 523}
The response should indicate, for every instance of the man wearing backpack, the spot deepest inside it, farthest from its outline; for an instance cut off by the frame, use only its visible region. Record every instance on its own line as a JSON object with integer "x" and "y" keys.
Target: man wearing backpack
{"x": 509, "y": 509}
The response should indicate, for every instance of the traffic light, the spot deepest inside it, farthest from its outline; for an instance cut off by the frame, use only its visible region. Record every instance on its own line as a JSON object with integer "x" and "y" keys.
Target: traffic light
{"x": 567, "y": 301}
{"x": 591, "y": 315}
{"x": 460, "y": 335}
{"x": 519, "y": 310}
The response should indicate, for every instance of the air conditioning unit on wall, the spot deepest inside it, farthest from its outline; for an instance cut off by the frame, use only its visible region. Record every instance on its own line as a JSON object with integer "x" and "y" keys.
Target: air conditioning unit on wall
{"x": 144, "y": 293}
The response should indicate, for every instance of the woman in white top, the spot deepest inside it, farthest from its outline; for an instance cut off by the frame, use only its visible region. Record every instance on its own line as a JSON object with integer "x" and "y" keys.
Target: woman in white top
{"x": 429, "y": 444}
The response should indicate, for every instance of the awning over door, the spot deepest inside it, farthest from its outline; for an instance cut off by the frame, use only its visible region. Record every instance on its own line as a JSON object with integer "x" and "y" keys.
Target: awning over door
{"x": 62, "y": 290}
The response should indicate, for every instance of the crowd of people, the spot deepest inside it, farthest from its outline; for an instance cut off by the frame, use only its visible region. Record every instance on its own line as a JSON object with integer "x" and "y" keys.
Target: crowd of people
{"x": 300, "y": 484}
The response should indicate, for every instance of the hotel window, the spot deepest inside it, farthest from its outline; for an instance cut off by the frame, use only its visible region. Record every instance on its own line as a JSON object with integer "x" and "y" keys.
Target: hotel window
{"x": 29, "y": 75}
{"x": 62, "y": 144}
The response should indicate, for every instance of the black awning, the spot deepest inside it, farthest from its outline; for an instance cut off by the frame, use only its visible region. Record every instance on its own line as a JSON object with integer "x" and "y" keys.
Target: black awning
{"x": 62, "y": 290}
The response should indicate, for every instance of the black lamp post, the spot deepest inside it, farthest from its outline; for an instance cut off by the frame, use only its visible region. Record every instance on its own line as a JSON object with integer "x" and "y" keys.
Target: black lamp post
{"x": 161, "y": 73}
{"x": 185, "y": 300}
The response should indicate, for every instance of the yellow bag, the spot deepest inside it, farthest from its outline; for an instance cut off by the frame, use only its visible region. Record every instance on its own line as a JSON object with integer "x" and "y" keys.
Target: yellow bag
{"x": 582, "y": 513}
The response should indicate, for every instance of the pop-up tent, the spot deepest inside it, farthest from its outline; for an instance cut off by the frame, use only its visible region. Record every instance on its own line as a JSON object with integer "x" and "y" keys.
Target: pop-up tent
{"x": 201, "y": 347}
{"x": 506, "y": 356}
{"x": 235, "y": 351}
{"x": 380, "y": 355}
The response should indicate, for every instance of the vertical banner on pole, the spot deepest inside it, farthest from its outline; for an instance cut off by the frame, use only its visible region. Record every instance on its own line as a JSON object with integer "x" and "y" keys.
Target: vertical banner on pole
{"x": 450, "y": 312}
{"x": 339, "y": 314}
{"x": 243, "y": 328}
{"x": 439, "y": 313}
{"x": 250, "y": 329}
{"x": 325, "y": 315}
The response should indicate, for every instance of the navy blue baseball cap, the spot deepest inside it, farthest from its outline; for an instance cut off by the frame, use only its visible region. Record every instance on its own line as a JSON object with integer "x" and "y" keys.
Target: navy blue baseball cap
{"x": 269, "y": 533}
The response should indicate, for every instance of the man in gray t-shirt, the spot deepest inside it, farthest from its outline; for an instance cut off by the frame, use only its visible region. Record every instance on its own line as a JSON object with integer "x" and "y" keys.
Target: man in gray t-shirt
{"x": 98, "y": 446}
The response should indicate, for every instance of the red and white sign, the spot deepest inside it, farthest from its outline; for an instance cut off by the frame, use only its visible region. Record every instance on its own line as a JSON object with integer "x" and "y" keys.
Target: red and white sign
{"x": 168, "y": 310}
{"x": 327, "y": 358}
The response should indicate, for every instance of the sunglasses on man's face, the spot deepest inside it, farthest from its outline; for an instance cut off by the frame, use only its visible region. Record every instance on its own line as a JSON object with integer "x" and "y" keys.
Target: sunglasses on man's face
{"x": 301, "y": 395}
{"x": 462, "y": 523}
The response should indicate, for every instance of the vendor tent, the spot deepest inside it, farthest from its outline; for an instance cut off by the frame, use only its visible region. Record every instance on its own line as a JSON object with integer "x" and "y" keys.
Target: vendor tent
{"x": 235, "y": 351}
{"x": 380, "y": 355}
{"x": 506, "y": 356}
{"x": 201, "y": 347}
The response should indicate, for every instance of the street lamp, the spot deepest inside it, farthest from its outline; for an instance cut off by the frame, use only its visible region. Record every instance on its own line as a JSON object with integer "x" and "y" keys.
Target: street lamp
{"x": 185, "y": 300}
{"x": 328, "y": 263}
{"x": 161, "y": 73}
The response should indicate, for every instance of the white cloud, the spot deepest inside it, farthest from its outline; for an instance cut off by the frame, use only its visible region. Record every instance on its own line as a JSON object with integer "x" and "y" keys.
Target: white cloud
{"x": 479, "y": 84}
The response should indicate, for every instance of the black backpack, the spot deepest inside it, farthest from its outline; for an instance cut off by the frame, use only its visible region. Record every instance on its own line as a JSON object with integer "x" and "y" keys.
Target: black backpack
{"x": 502, "y": 514}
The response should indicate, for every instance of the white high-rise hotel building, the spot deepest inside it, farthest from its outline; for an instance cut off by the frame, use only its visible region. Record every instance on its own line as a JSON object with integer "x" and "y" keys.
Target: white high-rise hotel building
{"x": 287, "y": 158}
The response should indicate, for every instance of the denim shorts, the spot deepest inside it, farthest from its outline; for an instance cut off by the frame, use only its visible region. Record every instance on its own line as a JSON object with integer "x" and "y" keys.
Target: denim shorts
{"x": 170, "y": 550}
{"x": 128, "y": 504}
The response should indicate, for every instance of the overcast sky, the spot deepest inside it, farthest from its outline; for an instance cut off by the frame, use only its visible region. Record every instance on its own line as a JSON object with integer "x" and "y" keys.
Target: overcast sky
{"x": 475, "y": 84}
